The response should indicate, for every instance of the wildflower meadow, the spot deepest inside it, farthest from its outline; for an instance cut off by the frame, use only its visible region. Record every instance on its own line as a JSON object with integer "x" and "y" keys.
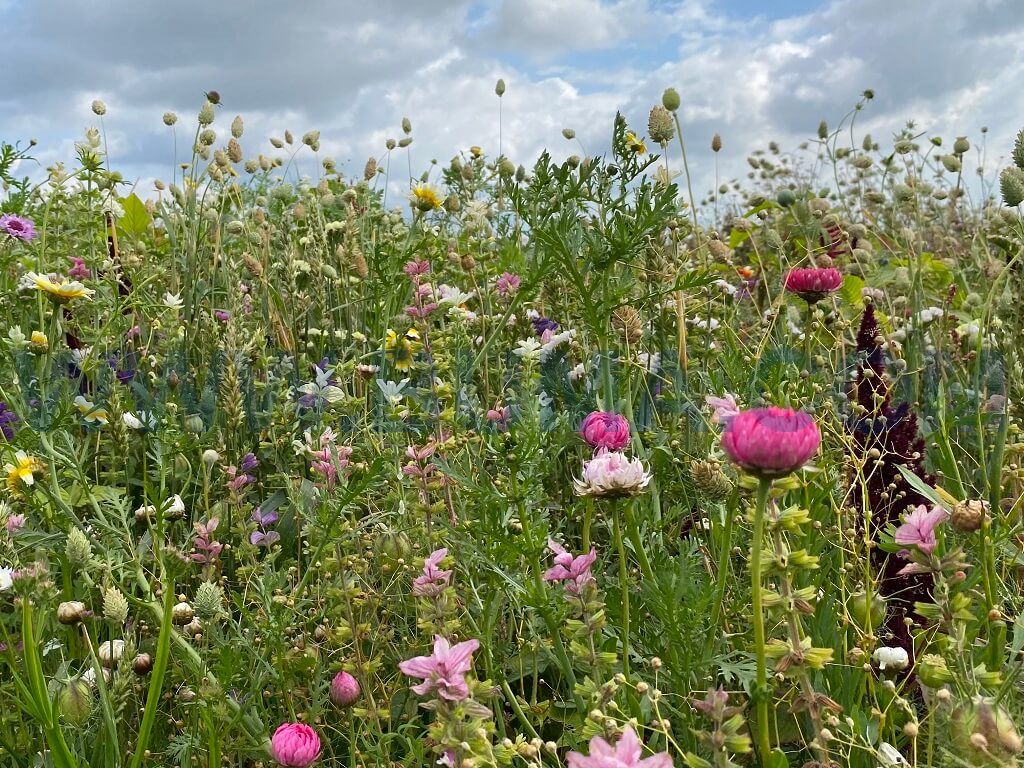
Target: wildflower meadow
{"x": 564, "y": 463}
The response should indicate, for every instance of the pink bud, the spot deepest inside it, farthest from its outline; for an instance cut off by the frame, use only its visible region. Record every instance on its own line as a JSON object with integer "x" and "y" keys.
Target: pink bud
{"x": 344, "y": 689}
{"x": 295, "y": 745}
{"x": 602, "y": 429}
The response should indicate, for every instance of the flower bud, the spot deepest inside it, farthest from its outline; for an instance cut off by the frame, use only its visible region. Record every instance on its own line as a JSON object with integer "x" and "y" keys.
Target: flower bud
{"x": 206, "y": 114}
{"x": 660, "y": 126}
{"x": 569, "y": 133}
{"x": 822, "y": 130}
{"x": 968, "y": 516}
{"x": 78, "y": 548}
{"x": 142, "y": 664}
{"x": 182, "y": 613}
{"x": 499, "y": 88}
{"x": 406, "y": 126}
{"x": 115, "y": 606}
{"x": 71, "y": 612}
{"x": 344, "y": 689}
{"x": 170, "y": 118}
{"x": 1011, "y": 184}
{"x": 210, "y": 457}
{"x": 110, "y": 653}
{"x": 670, "y": 99}
{"x": 716, "y": 143}
{"x": 961, "y": 145}
{"x": 74, "y": 701}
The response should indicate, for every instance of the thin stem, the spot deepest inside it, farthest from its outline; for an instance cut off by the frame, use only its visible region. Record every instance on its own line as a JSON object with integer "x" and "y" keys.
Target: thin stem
{"x": 623, "y": 586}
{"x": 762, "y": 694}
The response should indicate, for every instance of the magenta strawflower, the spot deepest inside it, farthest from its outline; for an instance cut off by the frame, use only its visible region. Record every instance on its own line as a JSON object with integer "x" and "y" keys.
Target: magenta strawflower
{"x": 602, "y": 429}
{"x": 344, "y": 689}
{"x": 295, "y": 745}
{"x": 918, "y": 529}
{"x": 812, "y": 283}
{"x": 444, "y": 670}
{"x": 573, "y": 570}
{"x": 433, "y": 581}
{"x": 625, "y": 754}
{"x": 18, "y": 227}
{"x": 771, "y": 441}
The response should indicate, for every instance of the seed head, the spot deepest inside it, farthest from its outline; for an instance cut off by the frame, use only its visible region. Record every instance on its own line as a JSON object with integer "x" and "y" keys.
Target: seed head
{"x": 961, "y": 145}
{"x": 1018, "y": 150}
{"x": 370, "y": 169}
{"x": 569, "y": 133}
{"x": 716, "y": 143}
{"x": 823, "y": 130}
{"x": 209, "y": 602}
{"x": 499, "y": 88}
{"x": 99, "y": 108}
{"x": 115, "y": 606}
{"x": 406, "y": 126}
{"x": 660, "y": 126}
{"x": 170, "y": 119}
{"x": 78, "y": 548}
{"x": 1011, "y": 184}
{"x": 237, "y": 127}
{"x": 670, "y": 99}
{"x": 206, "y": 114}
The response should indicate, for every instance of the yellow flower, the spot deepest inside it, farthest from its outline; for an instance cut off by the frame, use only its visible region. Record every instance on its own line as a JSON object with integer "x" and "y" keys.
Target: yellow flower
{"x": 39, "y": 341}
{"x": 475, "y": 151}
{"x": 425, "y": 198}
{"x": 402, "y": 348}
{"x": 635, "y": 144}
{"x": 23, "y": 472}
{"x": 61, "y": 292}
{"x": 91, "y": 413}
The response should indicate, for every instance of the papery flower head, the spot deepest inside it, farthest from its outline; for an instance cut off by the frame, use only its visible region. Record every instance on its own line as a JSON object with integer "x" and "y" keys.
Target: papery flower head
{"x": 918, "y": 529}
{"x": 17, "y": 227}
{"x": 507, "y": 283}
{"x": 573, "y": 570}
{"x": 295, "y": 745}
{"x": 723, "y": 408}
{"x": 57, "y": 289}
{"x": 771, "y": 441}
{"x": 444, "y": 670}
{"x": 625, "y": 754}
{"x": 433, "y": 581}
{"x": 813, "y": 283}
{"x": 604, "y": 429}
{"x": 611, "y": 473}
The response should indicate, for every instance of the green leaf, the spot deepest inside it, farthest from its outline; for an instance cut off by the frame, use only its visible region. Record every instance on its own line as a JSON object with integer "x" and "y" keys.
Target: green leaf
{"x": 136, "y": 218}
{"x": 777, "y": 759}
{"x": 851, "y": 290}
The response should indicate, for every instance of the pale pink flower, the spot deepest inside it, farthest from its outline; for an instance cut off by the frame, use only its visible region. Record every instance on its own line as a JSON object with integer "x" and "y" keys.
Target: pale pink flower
{"x": 507, "y": 283}
{"x": 574, "y": 570}
{"x": 433, "y": 581}
{"x": 625, "y": 754}
{"x": 444, "y": 670}
{"x": 771, "y": 441}
{"x": 611, "y": 473}
{"x": 724, "y": 408}
{"x": 295, "y": 745}
{"x": 918, "y": 529}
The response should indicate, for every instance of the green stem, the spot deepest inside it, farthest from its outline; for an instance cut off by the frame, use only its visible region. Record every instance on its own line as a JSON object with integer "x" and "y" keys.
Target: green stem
{"x": 156, "y": 683}
{"x": 623, "y": 586}
{"x": 633, "y": 532}
{"x": 756, "y": 545}
{"x": 723, "y": 574}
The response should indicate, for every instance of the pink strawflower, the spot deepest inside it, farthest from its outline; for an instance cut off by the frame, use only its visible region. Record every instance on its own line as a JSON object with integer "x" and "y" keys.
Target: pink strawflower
{"x": 295, "y": 745}
{"x": 724, "y": 408}
{"x": 812, "y": 283}
{"x": 18, "y": 227}
{"x": 771, "y": 441}
{"x": 625, "y": 754}
{"x": 575, "y": 571}
{"x": 507, "y": 283}
{"x": 444, "y": 670}
{"x": 344, "y": 689}
{"x": 611, "y": 473}
{"x": 918, "y": 529}
{"x": 433, "y": 581}
{"x": 603, "y": 429}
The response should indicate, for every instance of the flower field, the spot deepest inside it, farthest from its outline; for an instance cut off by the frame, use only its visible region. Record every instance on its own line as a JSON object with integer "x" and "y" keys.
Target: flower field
{"x": 553, "y": 464}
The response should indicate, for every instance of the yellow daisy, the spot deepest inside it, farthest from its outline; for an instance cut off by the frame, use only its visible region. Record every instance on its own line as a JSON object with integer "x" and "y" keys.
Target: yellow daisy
{"x": 39, "y": 341}
{"x": 425, "y": 198}
{"x": 61, "y": 292}
{"x": 402, "y": 347}
{"x": 90, "y": 411}
{"x": 23, "y": 472}
{"x": 636, "y": 144}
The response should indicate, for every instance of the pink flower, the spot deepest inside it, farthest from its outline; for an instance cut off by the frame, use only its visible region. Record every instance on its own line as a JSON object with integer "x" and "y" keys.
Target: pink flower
{"x": 17, "y": 227}
{"x": 222, "y": 315}
{"x": 812, "y": 284}
{"x": 602, "y": 429}
{"x": 724, "y": 408}
{"x": 14, "y": 523}
{"x": 918, "y": 529}
{"x": 433, "y": 581}
{"x": 78, "y": 269}
{"x": 574, "y": 570}
{"x": 295, "y": 745}
{"x": 444, "y": 670}
{"x": 625, "y": 754}
{"x": 415, "y": 269}
{"x": 507, "y": 283}
{"x": 771, "y": 441}
{"x": 344, "y": 689}
{"x": 611, "y": 473}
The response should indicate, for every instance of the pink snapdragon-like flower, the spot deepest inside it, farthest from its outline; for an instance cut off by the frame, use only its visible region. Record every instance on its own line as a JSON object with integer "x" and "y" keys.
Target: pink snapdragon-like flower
{"x": 433, "y": 581}
{"x": 207, "y": 550}
{"x": 78, "y": 271}
{"x": 723, "y": 408}
{"x": 611, "y": 473}
{"x": 344, "y": 689}
{"x": 918, "y": 529}
{"x": 812, "y": 283}
{"x": 771, "y": 441}
{"x": 573, "y": 570}
{"x": 625, "y": 754}
{"x": 507, "y": 283}
{"x": 444, "y": 670}
{"x": 295, "y": 745}
{"x": 603, "y": 429}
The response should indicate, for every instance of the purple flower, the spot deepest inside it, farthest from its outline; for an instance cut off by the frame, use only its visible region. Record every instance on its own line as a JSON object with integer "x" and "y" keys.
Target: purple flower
{"x": 575, "y": 570}
{"x": 433, "y": 581}
{"x": 604, "y": 429}
{"x": 724, "y": 408}
{"x": 542, "y": 324}
{"x": 222, "y": 315}
{"x": 444, "y": 670}
{"x": 771, "y": 441}
{"x": 249, "y": 462}
{"x": 78, "y": 269}
{"x": 265, "y": 539}
{"x": 18, "y": 227}
{"x": 7, "y": 419}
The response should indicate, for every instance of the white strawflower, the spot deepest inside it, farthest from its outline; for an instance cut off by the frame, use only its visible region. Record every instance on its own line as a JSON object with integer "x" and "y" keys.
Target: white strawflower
{"x": 612, "y": 473}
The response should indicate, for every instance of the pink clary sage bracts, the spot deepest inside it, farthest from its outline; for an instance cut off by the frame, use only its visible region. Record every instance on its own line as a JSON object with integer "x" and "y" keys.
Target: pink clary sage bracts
{"x": 573, "y": 570}
{"x": 433, "y": 581}
{"x": 918, "y": 528}
{"x": 771, "y": 441}
{"x": 625, "y": 754}
{"x": 443, "y": 672}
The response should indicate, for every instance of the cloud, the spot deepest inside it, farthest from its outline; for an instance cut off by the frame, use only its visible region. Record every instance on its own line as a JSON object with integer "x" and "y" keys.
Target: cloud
{"x": 353, "y": 69}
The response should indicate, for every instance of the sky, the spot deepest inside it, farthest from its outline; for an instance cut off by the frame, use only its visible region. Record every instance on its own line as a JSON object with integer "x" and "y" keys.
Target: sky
{"x": 749, "y": 71}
